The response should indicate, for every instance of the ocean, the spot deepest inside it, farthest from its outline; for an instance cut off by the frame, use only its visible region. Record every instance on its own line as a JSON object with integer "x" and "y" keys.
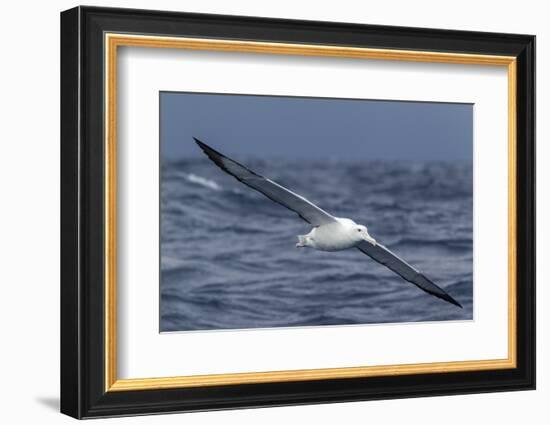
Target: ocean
{"x": 228, "y": 256}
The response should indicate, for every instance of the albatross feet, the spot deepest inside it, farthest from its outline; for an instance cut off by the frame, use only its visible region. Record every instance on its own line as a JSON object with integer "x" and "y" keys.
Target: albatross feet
{"x": 302, "y": 241}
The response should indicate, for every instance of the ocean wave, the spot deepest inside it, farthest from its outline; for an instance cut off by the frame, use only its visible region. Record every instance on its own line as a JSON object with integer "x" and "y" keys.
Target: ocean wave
{"x": 201, "y": 181}
{"x": 228, "y": 259}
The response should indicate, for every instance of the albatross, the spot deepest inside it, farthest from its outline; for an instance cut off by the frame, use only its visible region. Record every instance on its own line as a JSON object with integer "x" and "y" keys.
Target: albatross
{"x": 328, "y": 233}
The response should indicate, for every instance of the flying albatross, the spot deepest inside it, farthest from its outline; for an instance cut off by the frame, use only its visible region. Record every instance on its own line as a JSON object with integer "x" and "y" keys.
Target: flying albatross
{"x": 329, "y": 233}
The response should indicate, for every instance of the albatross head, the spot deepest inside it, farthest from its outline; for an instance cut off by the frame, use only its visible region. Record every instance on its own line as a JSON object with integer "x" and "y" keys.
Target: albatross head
{"x": 362, "y": 234}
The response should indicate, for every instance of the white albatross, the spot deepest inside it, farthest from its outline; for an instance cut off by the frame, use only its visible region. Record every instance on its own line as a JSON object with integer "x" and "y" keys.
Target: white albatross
{"x": 329, "y": 233}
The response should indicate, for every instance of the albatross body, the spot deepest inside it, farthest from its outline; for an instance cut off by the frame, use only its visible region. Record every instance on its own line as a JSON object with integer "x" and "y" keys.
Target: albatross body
{"x": 341, "y": 234}
{"x": 328, "y": 233}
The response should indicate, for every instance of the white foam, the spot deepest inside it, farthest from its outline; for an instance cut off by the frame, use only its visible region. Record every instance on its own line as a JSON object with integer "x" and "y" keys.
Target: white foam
{"x": 193, "y": 178}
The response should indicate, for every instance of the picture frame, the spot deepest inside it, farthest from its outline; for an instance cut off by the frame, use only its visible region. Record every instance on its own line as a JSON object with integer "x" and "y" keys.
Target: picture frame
{"x": 91, "y": 38}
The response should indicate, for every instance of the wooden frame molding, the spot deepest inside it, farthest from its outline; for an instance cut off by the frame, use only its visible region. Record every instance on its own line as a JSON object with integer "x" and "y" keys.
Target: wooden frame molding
{"x": 114, "y": 40}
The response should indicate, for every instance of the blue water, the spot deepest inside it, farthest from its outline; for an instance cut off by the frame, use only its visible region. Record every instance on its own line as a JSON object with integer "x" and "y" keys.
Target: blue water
{"x": 228, "y": 259}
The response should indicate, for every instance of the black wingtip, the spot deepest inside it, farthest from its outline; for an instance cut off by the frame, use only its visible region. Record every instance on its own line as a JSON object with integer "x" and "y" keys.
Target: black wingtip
{"x": 446, "y": 297}
{"x": 441, "y": 294}
{"x": 211, "y": 152}
{"x": 455, "y": 302}
{"x": 450, "y": 299}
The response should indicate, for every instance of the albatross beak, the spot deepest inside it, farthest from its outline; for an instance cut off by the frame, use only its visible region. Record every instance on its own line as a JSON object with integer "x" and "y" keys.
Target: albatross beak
{"x": 369, "y": 238}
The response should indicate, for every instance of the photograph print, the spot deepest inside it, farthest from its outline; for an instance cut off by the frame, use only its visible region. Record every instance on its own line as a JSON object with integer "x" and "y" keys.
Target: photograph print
{"x": 282, "y": 211}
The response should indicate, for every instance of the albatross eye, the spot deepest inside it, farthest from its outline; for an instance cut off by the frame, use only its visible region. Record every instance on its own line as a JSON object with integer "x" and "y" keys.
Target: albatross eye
{"x": 358, "y": 230}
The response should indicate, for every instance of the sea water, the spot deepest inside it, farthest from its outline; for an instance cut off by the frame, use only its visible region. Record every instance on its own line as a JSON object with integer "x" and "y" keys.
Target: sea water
{"x": 228, "y": 257}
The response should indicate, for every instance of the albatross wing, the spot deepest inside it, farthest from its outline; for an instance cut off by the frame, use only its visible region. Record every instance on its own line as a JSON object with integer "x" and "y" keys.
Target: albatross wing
{"x": 384, "y": 256}
{"x": 294, "y": 202}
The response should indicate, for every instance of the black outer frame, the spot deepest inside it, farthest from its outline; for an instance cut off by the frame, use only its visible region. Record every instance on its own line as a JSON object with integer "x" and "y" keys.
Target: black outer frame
{"x": 82, "y": 219}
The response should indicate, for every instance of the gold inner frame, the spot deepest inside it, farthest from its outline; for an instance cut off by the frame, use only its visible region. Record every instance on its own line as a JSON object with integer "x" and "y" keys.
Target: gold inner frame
{"x": 113, "y": 41}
